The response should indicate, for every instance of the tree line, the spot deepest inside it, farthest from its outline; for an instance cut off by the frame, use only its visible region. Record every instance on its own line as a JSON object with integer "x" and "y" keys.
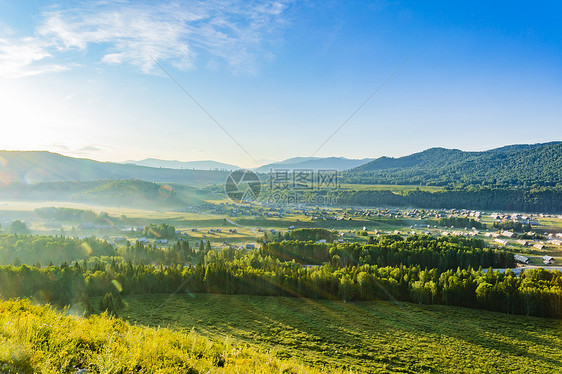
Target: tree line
{"x": 545, "y": 200}
{"x": 392, "y": 250}
{"x": 45, "y": 249}
{"x": 535, "y": 292}
{"x": 461, "y": 222}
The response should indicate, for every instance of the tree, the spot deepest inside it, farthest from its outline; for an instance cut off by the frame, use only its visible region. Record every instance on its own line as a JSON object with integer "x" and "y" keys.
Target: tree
{"x": 163, "y": 231}
{"x": 18, "y": 227}
{"x": 346, "y": 288}
{"x": 107, "y": 305}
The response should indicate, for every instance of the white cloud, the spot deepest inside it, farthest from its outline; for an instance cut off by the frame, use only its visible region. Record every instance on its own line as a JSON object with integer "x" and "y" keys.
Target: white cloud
{"x": 233, "y": 33}
{"x": 19, "y": 57}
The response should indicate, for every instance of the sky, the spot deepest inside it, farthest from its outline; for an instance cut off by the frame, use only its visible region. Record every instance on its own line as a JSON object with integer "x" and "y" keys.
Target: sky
{"x": 248, "y": 82}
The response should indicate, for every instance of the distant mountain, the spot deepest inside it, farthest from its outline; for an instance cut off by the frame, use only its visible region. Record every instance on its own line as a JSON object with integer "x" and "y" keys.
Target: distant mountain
{"x": 315, "y": 163}
{"x": 172, "y": 164}
{"x": 134, "y": 193}
{"x": 514, "y": 165}
{"x": 37, "y": 166}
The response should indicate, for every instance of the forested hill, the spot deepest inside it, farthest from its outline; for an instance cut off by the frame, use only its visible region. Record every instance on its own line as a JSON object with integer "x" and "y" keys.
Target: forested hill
{"x": 134, "y": 193}
{"x": 35, "y": 167}
{"x": 514, "y": 165}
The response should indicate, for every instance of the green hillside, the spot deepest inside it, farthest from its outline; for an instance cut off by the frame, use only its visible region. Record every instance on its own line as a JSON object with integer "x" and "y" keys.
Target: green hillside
{"x": 516, "y": 165}
{"x": 134, "y": 193}
{"x": 36, "y": 167}
{"x": 37, "y": 339}
{"x": 252, "y": 334}
{"x": 364, "y": 337}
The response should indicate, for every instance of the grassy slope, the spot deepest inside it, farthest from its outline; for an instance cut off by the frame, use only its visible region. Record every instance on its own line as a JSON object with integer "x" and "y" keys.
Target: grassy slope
{"x": 37, "y": 339}
{"x": 365, "y": 336}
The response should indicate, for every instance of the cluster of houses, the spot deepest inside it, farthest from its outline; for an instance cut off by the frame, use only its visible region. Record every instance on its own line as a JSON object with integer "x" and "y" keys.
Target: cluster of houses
{"x": 338, "y": 214}
{"x": 552, "y": 239}
{"x": 547, "y": 260}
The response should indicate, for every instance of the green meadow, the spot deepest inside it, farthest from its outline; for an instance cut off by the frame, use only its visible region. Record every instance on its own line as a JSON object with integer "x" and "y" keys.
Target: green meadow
{"x": 362, "y": 337}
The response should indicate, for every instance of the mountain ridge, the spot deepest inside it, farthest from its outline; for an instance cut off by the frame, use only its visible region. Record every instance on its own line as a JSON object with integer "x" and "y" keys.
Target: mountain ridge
{"x": 339, "y": 163}
{"x": 514, "y": 165}
{"x": 518, "y": 164}
{"x": 41, "y": 166}
{"x": 175, "y": 164}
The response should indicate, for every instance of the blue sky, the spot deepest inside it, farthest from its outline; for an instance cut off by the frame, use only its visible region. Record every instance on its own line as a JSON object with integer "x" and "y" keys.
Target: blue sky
{"x": 80, "y": 78}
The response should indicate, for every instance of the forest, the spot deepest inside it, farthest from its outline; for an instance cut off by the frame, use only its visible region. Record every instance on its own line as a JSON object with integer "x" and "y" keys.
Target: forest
{"x": 544, "y": 199}
{"x": 522, "y": 166}
{"x": 354, "y": 272}
{"x": 391, "y": 250}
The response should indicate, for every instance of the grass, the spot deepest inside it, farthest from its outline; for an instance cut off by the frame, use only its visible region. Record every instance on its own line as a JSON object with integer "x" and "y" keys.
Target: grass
{"x": 364, "y": 336}
{"x": 550, "y": 224}
{"x": 38, "y": 339}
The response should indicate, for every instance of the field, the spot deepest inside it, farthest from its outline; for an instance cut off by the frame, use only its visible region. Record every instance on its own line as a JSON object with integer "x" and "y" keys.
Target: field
{"x": 250, "y": 226}
{"x": 363, "y": 336}
{"x": 288, "y": 333}
{"x": 38, "y": 339}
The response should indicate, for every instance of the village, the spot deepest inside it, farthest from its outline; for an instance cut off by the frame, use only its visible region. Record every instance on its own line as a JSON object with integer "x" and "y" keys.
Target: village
{"x": 535, "y": 239}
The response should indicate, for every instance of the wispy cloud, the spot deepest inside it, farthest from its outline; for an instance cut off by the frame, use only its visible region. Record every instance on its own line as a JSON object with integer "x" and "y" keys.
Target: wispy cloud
{"x": 214, "y": 33}
{"x": 20, "y": 57}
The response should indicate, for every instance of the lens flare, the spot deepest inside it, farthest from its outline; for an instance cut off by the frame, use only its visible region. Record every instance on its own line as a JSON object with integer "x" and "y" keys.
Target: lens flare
{"x": 165, "y": 190}
{"x": 117, "y": 285}
{"x": 155, "y": 233}
{"x": 87, "y": 248}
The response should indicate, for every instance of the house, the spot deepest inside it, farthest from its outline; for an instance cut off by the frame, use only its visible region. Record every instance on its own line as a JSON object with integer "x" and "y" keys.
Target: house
{"x": 321, "y": 241}
{"x": 501, "y": 241}
{"x": 538, "y": 246}
{"x": 507, "y": 234}
{"x": 161, "y": 241}
{"x": 143, "y": 240}
{"x": 250, "y": 246}
{"x": 547, "y": 260}
{"x": 523, "y": 242}
{"x": 522, "y": 259}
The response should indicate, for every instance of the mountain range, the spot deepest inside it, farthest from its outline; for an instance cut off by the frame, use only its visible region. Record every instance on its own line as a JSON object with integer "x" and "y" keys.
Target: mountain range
{"x": 37, "y": 166}
{"x": 515, "y": 165}
{"x": 173, "y": 164}
{"x": 315, "y": 163}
